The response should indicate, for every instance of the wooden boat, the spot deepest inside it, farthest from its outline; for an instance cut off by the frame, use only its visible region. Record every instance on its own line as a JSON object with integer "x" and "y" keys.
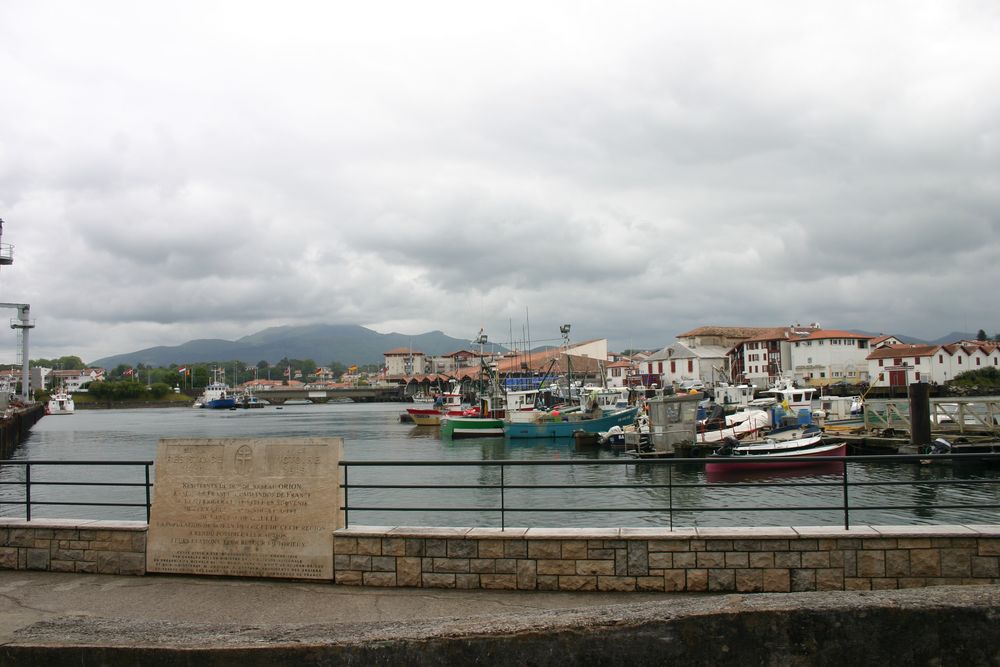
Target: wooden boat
{"x": 754, "y": 455}
{"x": 479, "y": 422}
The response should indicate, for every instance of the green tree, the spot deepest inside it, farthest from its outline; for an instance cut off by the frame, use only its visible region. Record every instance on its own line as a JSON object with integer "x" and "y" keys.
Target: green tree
{"x": 200, "y": 376}
{"x": 159, "y": 390}
{"x": 981, "y": 335}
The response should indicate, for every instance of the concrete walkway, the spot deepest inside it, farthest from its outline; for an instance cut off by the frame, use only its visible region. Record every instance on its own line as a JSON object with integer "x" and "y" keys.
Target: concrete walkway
{"x": 54, "y": 618}
{"x": 42, "y": 607}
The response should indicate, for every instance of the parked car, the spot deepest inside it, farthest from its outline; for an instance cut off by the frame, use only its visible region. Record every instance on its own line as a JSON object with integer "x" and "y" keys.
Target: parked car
{"x": 688, "y": 385}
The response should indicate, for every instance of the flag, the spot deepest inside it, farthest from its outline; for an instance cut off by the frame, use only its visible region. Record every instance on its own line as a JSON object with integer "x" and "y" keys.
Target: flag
{"x": 128, "y": 372}
{"x": 182, "y": 370}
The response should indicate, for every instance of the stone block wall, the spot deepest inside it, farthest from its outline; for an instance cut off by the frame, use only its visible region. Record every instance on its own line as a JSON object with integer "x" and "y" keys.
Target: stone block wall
{"x": 62, "y": 545}
{"x": 705, "y": 559}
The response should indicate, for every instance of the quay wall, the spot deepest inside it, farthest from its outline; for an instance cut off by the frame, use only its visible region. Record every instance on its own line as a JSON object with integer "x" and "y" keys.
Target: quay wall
{"x": 15, "y": 428}
{"x": 740, "y": 560}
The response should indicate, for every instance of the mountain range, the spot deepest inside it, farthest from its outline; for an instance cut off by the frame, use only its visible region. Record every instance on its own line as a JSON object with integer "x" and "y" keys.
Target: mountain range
{"x": 323, "y": 343}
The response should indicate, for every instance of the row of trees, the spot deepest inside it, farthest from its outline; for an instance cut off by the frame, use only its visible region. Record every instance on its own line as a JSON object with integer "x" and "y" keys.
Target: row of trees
{"x": 233, "y": 372}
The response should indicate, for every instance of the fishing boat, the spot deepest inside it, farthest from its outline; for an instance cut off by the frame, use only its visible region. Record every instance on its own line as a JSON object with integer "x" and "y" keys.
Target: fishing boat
{"x": 217, "y": 396}
{"x": 60, "y": 403}
{"x": 771, "y": 453}
{"x": 449, "y": 404}
{"x": 480, "y": 422}
{"x": 563, "y": 424}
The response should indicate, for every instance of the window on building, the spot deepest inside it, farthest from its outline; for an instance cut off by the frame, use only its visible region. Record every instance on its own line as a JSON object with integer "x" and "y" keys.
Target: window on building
{"x": 881, "y": 362}
{"x": 960, "y": 361}
{"x": 940, "y": 358}
{"x": 690, "y": 365}
{"x": 659, "y": 366}
{"x": 916, "y": 361}
{"x": 673, "y": 366}
{"x": 977, "y": 361}
{"x": 917, "y": 376}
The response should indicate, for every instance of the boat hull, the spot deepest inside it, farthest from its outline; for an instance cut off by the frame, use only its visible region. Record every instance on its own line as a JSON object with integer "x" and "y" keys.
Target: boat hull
{"x": 762, "y": 461}
{"x": 548, "y": 427}
{"x": 219, "y": 404}
{"x": 472, "y": 427}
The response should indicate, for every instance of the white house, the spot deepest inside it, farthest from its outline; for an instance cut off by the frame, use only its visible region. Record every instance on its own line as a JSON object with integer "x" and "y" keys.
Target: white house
{"x": 618, "y": 373}
{"x": 826, "y": 356}
{"x": 74, "y": 381}
{"x": 679, "y": 362}
{"x": 899, "y": 365}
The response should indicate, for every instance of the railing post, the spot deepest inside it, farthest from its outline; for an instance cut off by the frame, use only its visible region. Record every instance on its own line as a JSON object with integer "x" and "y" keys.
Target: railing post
{"x": 148, "y": 503}
{"x": 503, "y": 515}
{"x": 670, "y": 492}
{"x": 847, "y": 511}
{"x": 347, "y": 504}
{"x": 27, "y": 492}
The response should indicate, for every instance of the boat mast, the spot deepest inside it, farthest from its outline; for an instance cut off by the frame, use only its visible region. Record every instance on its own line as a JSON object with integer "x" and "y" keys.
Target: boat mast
{"x": 564, "y": 330}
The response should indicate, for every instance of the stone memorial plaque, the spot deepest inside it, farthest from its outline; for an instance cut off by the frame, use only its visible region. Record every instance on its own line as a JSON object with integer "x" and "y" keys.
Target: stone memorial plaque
{"x": 259, "y": 507}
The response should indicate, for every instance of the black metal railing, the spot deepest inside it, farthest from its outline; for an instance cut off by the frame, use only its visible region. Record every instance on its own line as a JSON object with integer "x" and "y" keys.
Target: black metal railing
{"x": 671, "y": 509}
{"x": 31, "y": 482}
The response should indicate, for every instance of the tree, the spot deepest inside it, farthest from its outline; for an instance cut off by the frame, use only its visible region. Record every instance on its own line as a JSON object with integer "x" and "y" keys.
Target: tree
{"x": 200, "y": 377}
{"x": 982, "y": 335}
{"x": 159, "y": 390}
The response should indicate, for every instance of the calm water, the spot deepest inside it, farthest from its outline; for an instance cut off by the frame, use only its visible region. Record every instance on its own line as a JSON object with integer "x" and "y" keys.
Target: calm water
{"x": 373, "y": 432}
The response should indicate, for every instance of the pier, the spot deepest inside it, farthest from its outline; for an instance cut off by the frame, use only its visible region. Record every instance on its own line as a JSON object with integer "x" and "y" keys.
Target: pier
{"x": 369, "y": 394}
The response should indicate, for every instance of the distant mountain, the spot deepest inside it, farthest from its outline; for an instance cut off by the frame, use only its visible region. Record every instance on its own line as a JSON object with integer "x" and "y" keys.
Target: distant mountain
{"x": 953, "y": 337}
{"x": 323, "y": 343}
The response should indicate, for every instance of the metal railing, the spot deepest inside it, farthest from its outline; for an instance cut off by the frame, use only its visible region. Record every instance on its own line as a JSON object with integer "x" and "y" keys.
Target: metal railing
{"x": 503, "y": 506}
{"x": 503, "y": 488}
{"x": 30, "y": 482}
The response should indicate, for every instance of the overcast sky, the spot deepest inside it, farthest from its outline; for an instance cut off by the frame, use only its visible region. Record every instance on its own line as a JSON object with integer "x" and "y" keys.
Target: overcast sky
{"x": 183, "y": 170}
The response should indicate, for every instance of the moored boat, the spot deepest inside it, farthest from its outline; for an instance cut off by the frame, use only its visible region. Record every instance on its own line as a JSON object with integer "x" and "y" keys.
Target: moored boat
{"x": 216, "y": 396}
{"x": 60, "y": 403}
{"x": 771, "y": 453}
{"x": 556, "y": 424}
{"x": 480, "y": 422}
{"x": 449, "y": 404}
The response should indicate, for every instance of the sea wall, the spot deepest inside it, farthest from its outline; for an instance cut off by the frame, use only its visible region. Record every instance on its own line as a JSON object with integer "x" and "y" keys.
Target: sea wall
{"x": 742, "y": 560}
{"x": 16, "y": 427}
{"x": 746, "y": 560}
{"x": 61, "y": 545}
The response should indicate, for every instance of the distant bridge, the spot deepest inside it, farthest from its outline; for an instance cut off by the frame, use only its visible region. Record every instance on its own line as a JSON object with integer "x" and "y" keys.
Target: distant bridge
{"x": 357, "y": 394}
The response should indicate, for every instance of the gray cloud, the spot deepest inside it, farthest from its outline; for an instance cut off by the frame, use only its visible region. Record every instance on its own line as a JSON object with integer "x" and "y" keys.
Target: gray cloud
{"x": 634, "y": 169}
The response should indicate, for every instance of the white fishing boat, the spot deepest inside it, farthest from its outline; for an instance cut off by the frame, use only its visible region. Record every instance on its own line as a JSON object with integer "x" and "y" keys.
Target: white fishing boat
{"x": 60, "y": 403}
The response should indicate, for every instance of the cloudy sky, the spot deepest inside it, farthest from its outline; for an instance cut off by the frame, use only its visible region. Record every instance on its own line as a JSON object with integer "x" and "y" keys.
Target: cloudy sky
{"x": 183, "y": 170}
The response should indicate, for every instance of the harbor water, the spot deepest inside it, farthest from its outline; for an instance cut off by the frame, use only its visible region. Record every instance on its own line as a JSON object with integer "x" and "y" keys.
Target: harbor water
{"x": 373, "y": 432}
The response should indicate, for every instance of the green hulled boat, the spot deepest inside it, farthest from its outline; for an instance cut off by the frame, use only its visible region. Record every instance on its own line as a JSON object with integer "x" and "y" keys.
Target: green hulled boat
{"x": 471, "y": 427}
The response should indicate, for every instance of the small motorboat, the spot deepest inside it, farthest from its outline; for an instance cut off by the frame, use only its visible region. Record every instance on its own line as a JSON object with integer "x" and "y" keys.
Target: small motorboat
{"x": 771, "y": 453}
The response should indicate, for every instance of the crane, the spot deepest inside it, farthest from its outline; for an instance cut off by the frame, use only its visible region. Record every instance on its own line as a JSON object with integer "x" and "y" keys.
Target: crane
{"x": 23, "y": 324}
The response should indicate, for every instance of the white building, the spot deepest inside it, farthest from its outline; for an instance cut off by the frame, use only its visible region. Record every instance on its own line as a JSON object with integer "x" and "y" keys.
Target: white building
{"x": 71, "y": 381}
{"x": 826, "y": 356}
{"x": 618, "y": 373}
{"x": 679, "y": 362}
{"x": 899, "y": 365}
{"x": 402, "y": 361}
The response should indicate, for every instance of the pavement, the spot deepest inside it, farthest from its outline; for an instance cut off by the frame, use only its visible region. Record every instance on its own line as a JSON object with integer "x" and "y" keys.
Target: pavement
{"x": 67, "y": 608}
{"x": 56, "y": 618}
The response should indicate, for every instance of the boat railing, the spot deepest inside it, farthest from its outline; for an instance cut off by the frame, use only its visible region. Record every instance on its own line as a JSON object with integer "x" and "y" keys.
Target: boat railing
{"x": 36, "y": 481}
{"x": 673, "y": 498}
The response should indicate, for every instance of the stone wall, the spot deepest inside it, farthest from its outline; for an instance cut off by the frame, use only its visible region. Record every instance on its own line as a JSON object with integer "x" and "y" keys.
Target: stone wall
{"x": 628, "y": 559}
{"x": 704, "y": 559}
{"x": 63, "y": 545}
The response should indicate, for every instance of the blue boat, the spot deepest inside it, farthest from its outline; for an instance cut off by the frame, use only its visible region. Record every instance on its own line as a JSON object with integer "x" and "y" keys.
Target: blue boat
{"x": 557, "y": 424}
{"x": 217, "y": 396}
